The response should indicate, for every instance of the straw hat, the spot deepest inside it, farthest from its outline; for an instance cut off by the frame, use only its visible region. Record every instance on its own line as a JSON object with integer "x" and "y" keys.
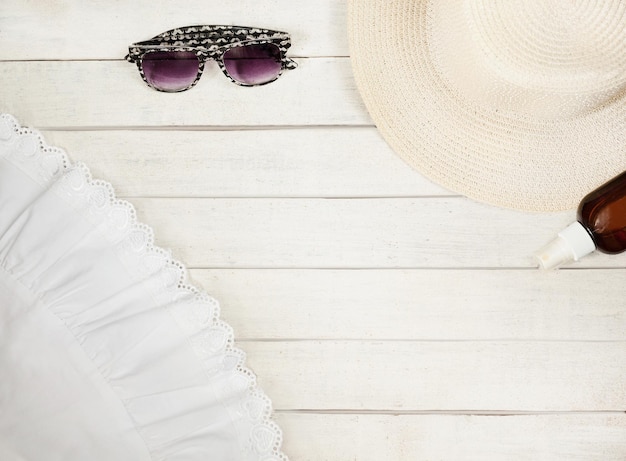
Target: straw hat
{"x": 515, "y": 103}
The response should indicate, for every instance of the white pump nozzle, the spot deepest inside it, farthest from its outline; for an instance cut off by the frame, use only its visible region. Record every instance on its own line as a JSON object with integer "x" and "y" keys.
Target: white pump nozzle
{"x": 571, "y": 244}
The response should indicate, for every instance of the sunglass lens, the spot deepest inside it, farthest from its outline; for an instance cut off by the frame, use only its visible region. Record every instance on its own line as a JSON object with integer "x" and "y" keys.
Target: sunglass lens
{"x": 253, "y": 64}
{"x": 170, "y": 70}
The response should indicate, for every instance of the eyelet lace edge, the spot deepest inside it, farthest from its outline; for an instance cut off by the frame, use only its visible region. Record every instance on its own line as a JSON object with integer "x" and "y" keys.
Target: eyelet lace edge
{"x": 196, "y": 313}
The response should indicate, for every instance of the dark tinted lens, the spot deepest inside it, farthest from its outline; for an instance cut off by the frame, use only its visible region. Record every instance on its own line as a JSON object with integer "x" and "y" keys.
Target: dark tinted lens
{"x": 253, "y": 64}
{"x": 170, "y": 70}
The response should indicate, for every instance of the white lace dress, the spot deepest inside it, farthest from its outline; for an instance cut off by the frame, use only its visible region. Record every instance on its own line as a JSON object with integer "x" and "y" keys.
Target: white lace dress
{"x": 106, "y": 353}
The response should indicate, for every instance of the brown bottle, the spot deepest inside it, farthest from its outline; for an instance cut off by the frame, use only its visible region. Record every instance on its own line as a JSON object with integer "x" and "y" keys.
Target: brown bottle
{"x": 601, "y": 225}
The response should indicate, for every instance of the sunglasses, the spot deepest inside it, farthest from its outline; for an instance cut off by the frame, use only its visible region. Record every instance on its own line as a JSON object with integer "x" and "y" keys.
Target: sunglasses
{"x": 174, "y": 60}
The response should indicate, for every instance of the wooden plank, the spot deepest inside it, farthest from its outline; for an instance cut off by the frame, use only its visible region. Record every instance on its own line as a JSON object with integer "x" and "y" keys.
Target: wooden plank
{"x": 69, "y": 94}
{"x": 588, "y": 437}
{"x": 352, "y": 233}
{"x": 102, "y": 29}
{"x": 472, "y": 376}
{"x": 312, "y": 162}
{"x": 421, "y": 304}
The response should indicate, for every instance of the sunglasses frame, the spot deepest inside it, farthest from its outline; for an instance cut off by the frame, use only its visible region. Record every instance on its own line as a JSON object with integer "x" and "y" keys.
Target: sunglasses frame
{"x": 210, "y": 43}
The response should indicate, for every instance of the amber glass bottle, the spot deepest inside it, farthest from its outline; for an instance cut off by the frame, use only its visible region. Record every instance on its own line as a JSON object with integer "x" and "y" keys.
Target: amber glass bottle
{"x": 601, "y": 225}
{"x": 603, "y": 213}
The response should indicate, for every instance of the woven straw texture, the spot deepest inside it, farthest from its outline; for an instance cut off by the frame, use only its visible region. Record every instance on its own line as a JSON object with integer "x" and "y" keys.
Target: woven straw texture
{"x": 516, "y": 104}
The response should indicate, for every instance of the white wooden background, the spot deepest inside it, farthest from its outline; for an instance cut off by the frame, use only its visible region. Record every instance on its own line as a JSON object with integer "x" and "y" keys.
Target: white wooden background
{"x": 388, "y": 318}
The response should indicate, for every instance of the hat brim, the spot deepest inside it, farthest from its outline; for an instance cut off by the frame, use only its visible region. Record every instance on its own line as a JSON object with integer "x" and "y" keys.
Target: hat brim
{"x": 495, "y": 156}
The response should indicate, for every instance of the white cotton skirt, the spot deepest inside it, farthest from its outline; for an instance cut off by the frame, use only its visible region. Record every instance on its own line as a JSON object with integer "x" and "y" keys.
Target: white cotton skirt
{"x": 106, "y": 352}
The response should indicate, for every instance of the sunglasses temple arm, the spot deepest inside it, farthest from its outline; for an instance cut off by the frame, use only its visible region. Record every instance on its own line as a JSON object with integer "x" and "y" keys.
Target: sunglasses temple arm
{"x": 290, "y": 63}
{"x": 151, "y": 42}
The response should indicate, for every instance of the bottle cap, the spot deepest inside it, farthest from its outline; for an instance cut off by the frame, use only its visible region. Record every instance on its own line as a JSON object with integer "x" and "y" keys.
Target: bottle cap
{"x": 571, "y": 244}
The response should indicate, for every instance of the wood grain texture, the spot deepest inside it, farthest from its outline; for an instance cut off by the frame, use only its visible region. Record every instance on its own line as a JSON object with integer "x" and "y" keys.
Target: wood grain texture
{"x": 101, "y": 29}
{"x": 522, "y": 305}
{"x": 321, "y": 91}
{"x": 474, "y": 376}
{"x": 576, "y": 437}
{"x": 358, "y": 233}
{"x": 292, "y": 162}
{"x": 382, "y": 313}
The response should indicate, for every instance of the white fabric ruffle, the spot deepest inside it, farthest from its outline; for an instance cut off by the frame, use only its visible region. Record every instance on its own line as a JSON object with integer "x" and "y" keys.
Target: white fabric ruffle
{"x": 106, "y": 352}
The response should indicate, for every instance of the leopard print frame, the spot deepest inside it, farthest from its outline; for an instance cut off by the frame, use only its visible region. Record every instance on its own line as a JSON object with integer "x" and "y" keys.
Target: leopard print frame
{"x": 210, "y": 43}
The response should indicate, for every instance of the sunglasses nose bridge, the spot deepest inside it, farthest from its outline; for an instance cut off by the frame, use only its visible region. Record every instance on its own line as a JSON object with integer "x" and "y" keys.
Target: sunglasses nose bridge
{"x": 216, "y": 55}
{"x": 204, "y": 55}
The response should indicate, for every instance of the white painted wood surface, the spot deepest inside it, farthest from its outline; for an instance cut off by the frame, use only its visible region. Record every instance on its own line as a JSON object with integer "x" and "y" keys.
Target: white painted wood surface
{"x": 387, "y": 317}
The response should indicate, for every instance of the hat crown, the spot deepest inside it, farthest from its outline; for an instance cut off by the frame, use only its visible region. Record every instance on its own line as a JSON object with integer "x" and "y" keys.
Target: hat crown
{"x": 518, "y": 103}
{"x": 546, "y": 59}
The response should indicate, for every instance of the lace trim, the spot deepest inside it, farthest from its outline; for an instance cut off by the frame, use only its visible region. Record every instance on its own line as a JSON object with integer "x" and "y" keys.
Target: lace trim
{"x": 196, "y": 313}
